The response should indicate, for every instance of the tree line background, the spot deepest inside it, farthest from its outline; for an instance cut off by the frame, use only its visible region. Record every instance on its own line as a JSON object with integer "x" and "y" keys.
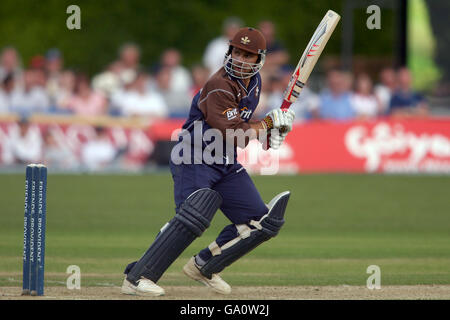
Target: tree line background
{"x": 34, "y": 26}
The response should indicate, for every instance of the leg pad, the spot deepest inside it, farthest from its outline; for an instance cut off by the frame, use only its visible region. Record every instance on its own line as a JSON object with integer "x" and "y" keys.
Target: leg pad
{"x": 250, "y": 236}
{"x": 191, "y": 220}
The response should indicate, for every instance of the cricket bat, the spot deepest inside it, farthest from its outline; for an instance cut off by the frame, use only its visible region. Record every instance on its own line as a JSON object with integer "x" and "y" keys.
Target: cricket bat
{"x": 310, "y": 57}
{"x": 307, "y": 62}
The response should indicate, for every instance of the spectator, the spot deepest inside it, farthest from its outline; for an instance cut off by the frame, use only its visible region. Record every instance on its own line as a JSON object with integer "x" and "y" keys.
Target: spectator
{"x": 274, "y": 92}
{"x": 335, "y": 100}
{"x": 6, "y": 91}
{"x": 84, "y": 101}
{"x": 26, "y": 142}
{"x": 162, "y": 85}
{"x": 98, "y": 152}
{"x": 137, "y": 100}
{"x": 218, "y": 47}
{"x": 109, "y": 81}
{"x": 66, "y": 86}
{"x": 276, "y": 56}
{"x": 180, "y": 79}
{"x": 174, "y": 82}
{"x": 37, "y": 63}
{"x": 404, "y": 101}
{"x": 364, "y": 101}
{"x": 10, "y": 64}
{"x": 129, "y": 62}
{"x": 386, "y": 88}
{"x": 54, "y": 68}
{"x": 57, "y": 155}
{"x": 32, "y": 97}
{"x": 305, "y": 107}
{"x": 6, "y": 145}
{"x": 200, "y": 75}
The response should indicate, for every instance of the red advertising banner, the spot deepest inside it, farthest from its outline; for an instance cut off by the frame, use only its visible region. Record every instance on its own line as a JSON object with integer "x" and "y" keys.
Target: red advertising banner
{"x": 381, "y": 146}
{"x": 387, "y": 145}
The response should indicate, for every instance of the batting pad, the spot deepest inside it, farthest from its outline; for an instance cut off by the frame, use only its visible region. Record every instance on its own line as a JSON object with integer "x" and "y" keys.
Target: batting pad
{"x": 249, "y": 238}
{"x": 191, "y": 220}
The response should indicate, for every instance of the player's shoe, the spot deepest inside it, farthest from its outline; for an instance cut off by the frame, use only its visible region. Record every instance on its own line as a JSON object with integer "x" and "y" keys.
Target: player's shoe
{"x": 145, "y": 287}
{"x": 215, "y": 283}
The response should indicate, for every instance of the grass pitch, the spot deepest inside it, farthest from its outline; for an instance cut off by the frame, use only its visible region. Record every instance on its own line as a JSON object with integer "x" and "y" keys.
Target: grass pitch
{"x": 336, "y": 226}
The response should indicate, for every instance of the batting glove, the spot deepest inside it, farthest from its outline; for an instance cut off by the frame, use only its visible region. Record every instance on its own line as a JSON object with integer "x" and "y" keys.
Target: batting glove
{"x": 276, "y": 139}
{"x": 280, "y": 119}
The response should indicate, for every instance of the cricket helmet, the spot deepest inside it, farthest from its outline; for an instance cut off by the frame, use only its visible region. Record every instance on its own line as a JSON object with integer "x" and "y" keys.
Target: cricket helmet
{"x": 251, "y": 40}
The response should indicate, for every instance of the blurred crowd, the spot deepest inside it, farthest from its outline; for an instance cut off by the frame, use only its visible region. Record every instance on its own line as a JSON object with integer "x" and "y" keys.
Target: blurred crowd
{"x": 127, "y": 88}
{"x": 27, "y": 144}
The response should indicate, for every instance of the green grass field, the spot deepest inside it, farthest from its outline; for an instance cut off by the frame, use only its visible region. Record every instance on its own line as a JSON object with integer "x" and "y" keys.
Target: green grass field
{"x": 336, "y": 226}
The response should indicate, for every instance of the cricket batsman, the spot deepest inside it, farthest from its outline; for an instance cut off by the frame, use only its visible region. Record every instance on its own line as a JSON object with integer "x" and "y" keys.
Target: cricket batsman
{"x": 225, "y": 104}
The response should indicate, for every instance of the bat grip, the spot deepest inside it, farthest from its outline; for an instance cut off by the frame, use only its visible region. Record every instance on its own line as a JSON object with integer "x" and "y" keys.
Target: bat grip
{"x": 285, "y": 105}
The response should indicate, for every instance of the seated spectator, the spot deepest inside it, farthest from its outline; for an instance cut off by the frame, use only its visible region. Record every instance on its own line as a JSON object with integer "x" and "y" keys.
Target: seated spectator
{"x": 10, "y": 64}
{"x": 129, "y": 62}
{"x": 66, "y": 86}
{"x": 335, "y": 99}
{"x": 37, "y": 62}
{"x": 364, "y": 101}
{"x": 404, "y": 101}
{"x": 137, "y": 100}
{"x": 174, "y": 82}
{"x": 32, "y": 97}
{"x": 277, "y": 56}
{"x": 200, "y": 75}
{"x": 162, "y": 85}
{"x": 109, "y": 81}
{"x": 57, "y": 155}
{"x": 386, "y": 88}
{"x": 26, "y": 142}
{"x": 98, "y": 152}
{"x": 6, "y": 145}
{"x": 273, "y": 88}
{"x": 180, "y": 79}
{"x": 84, "y": 101}
{"x": 305, "y": 107}
{"x": 218, "y": 47}
{"x": 54, "y": 68}
{"x": 6, "y": 90}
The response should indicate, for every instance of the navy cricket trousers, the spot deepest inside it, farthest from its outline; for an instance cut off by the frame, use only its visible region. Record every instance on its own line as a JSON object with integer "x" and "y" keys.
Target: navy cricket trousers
{"x": 241, "y": 200}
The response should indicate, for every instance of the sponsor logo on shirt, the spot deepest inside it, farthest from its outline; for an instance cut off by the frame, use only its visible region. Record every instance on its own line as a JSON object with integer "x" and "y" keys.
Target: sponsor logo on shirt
{"x": 246, "y": 113}
{"x": 231, "y": 113}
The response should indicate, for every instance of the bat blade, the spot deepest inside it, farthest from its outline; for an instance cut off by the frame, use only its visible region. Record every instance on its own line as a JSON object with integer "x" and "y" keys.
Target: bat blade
{"x": 309, "y": 57}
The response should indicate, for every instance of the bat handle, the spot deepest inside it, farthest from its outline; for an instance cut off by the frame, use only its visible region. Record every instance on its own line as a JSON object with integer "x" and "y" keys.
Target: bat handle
{"x": 285, "y": 105}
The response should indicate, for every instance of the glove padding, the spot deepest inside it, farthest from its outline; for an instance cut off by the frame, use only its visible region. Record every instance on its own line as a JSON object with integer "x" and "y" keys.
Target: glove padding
{"x": 281, "y": 119}
{"x": 276, "y": 139}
